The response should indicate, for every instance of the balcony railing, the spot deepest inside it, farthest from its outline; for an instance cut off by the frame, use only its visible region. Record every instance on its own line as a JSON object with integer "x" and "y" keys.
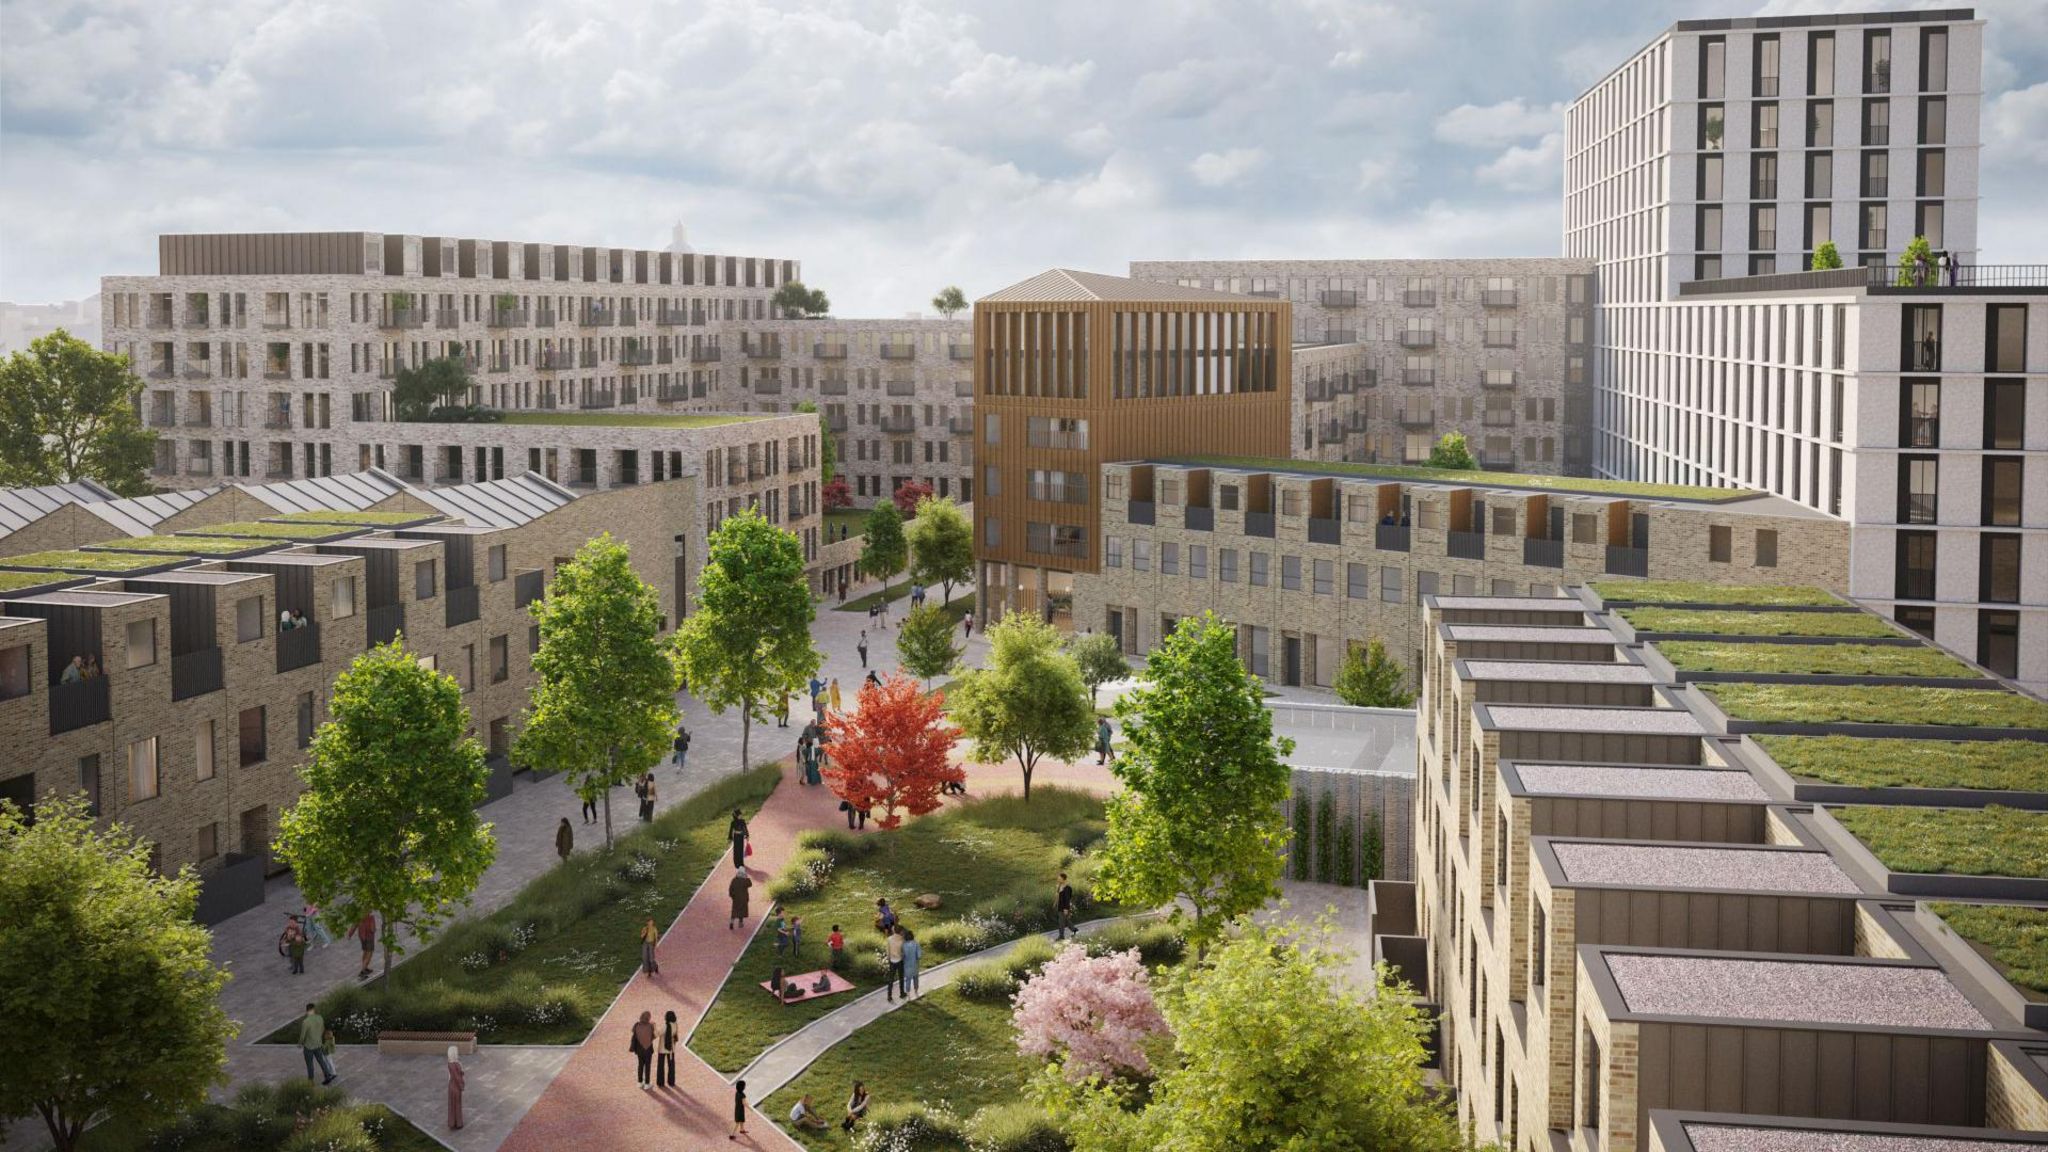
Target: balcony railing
{"x": 447, "y": 318}
{"x": 1390, "y": 537}
{"x": 77, "y": 705}
{"x": 1497, "y": 378}
{"x": 636, "y": 357}
{"x": 1499, "y": 298}
{"x": 389, "y": 368}
{"x": 159, "y": 318}
{"x": 828, "y": 351}
{"x": 1418, "y": 376}
{"x": 298, "y": 647}
{"x": 1540, "y": 553}
{"x": 198, "y": 318}
{"x": 195, "y": 673}
{"x": 1418, "y": 338}
{"x": 1196, "y": 519}
{"x": 1465, "y": 545}
{"x": 1419, "y": 298}
{"x": 1497, "y": 461}
{"x": 900, "y": 387}
{"x": 1141, "y": 512}
{"x": 508, "y": 317}
{"x": 162, "y": 370}
{"x": 1498, "y": 418}
{"x": 762, "y": 349}
{"x": 1623, "y": 561}
{"x": 200, "y": 419}
{"x": 1324, "y": 531}
{"x": 498, "y": 362}
{"x": 704, "y": 354}
{"x": 899, "y": 424}
{"x": 162, "y": 418}
{"x": 963, "y": 388}
{"x": 598, "y": 318}
{"x": 544, "y": 318}
{"x": 557, "y": 360}
{"x": 598, "y": 400}
{"x": 1501, "y": 339}
{"x": 280, "y": 421}
{"x": 1258, "y": 524}
{"x": 899, "y": 351}
{"x": 832, "y": 386}
{"x": 766, "y": 385}
{"x": 272, "y": 372}
{"x": 960, "y": 425}
{"x": 402, "y": 318}
{"x": 1417, "y": 419}
{"x": 1340, "y": 298}
{"x": 670, "y": 317}
{"x": 203, "y": 370}
{"x": 463, "y": 605}
{"x": 198, "y": 467}
{"x": 527, "y": 587}
{"x": 835, "y": 421}
{"x": 384, "y": 624}
{"x": 960, "y": 351}
{"x": 628, "y": 318}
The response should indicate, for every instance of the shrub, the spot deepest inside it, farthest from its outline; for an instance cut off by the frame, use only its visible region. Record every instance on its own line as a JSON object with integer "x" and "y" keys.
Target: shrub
{"x": 1347, "y": 851}
{"x": 1298, "y": 848}
{"x": 340, "y": 1131}
{"x": 1084, "y": 835}
{"x": 910, "y": 1126}
{"x": 1157, "y": 941}
{"x": 1326, "y": 838}
{"x": 1050, "y": 811}
{"x": 969, "y": 934}
{"x": 842, "y": 846}
{"x": 998, "y": 979}
{"x": 866, "y": 957}
{"x": 1015, "y": 1127}
{"x": 805, "y": 875}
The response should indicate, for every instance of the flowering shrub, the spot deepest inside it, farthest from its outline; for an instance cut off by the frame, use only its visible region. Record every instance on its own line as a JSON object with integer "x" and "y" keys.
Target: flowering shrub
{"x": 475, "y": 962}
{"x": 639, "y": 869}
{"x": 361, "y": 1027}
{"x": 909, "y": 1127}
{"x": 547, "y": 1012}
{"x": 1091, "y": 1014}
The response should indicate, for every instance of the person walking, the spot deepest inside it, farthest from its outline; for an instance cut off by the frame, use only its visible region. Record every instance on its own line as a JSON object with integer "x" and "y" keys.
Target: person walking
{"x": 642, "y": 1047}
{"x": 856, "y": 1107}
{"x": 737, "y": 889}
{"x": 739, "y": 1110}
{"x": 1102, "y": 735}
{"x": 589, "y": 807}
{"x": 313, "y": 1040}
{"x": 365, "y": 929}
{"x": 912, "y": 953}
{"x": 967, "y": 626}
{"x": 834, "y": 691}
{"x": 649, "y": 937}
{"x": 736, "y": 832}
{"x": 862, "y": 647}
{"x": 292, "y": 943}
{"x": 782, "y": 710}
{"x": 665, "y": 1063}
{"x": 565, "y": 839}
{"x": 1063, "y": 903}
{"x": 894, "y": 943}
{"x": 682, "y": 746}
{"x": 456, "y": 1080}
{"x": 649, "y": 794}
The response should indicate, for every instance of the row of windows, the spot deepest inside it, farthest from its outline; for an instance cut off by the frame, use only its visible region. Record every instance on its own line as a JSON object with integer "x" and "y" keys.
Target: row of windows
{"x": 1875, "y": 73}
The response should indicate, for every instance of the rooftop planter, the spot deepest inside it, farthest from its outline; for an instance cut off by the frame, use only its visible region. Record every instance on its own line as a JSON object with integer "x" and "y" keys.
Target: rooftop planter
{"x": 1967, "y": 853}
{"x": 1889, "y": 660}
{"x": 2012, "y": 940}
{"x": 1828, "y": 704}
{"x": 1735, "y": 622}
{"x": 1860, "y": 763}
{"x": 110, "y": 563}
{"x": 15, "y": 582}
{"x": 1475, "y": 477}
{"x": 265, "y": 530}
{"x": 1691, "y": 593}
{"x": 184, "y": 545}
{"x": 360, "y": 519}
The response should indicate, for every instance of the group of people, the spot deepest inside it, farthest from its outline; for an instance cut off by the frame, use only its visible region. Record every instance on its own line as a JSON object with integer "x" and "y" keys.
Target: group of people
{"x": 81, "y": 668}
{"x": 1941, "y": 267}
{"x": 811, "y": 756}
{"x": 302, "y": 929}
{"x": 291, "y": 618}
{"x": 649, "y": 793}
{"x": 804, "y": 1114}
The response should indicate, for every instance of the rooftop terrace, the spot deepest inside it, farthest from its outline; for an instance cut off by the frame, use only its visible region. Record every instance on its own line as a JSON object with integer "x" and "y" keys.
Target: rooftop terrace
{"x": 1553, "y": 670}
{"x": 1798, "y": 991}
{"x": 1732, "y": 1138}
{"x": 1668, "y": 866}
{"x": 1649, "y": 721}
{"x": 628, "y": 419}
{"x": 1477, "y": 478}
{"x": 1658, "y": 783}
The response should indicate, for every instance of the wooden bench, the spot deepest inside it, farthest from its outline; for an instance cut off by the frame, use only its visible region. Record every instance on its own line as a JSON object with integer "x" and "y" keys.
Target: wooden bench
{"x": 425, "y": 1043}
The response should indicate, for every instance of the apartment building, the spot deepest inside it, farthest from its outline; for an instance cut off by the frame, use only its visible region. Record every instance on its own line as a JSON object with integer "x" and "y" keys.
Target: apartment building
{"x": 1310, "y": 560}
{"x": 1670, "y": 886}
{"x": 1494, "y": 349}
{"x": 195, "y": 729}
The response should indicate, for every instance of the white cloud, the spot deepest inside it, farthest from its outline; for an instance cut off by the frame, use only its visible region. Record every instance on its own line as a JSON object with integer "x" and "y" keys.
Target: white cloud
{"x": 2016, "y": 125}
{"x": 1496, "y": 125}
{"x": 1216, "y": 169}
{"x": 1527, "y": 169}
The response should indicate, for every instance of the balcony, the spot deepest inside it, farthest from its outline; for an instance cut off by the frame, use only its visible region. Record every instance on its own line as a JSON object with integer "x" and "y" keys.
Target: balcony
{"x": 1539, "y": 553}
{"x": 544, "y": 318}
{"x": 388, "y": 369}
{"x": 198, "y": 318}
{"x": 447, "y": 318}
{"x": 1497, "y": 378}
{"x": 508, "y": 317}
{"x": 835, "y": 421}
{"x": 1501, "y": 339}
{"x": 1198, "y": 519}
{"x": 552, "y": 360}
{"x": 705, "y": 354}
{"x": 895, "y": 424}
{"x": 592, "y": 400}
{"x": 963, "y": 388}
{"x": 78, "y": 705}
{"x": 1391, "y": 537}
{"x": 627, "y": 317}
{"x": 1423, "y": 419}
{"x": 636, "y": 357}
{"x": 598, "y": 317}
{"x": 1623, "y": 561}
{"x": 159, "y": 318}
{"x": 960, "y": 351}
{"x": 671, "y": 393}
{"x": 1341, "y": 336}
{"x": 762, "y": 349}
{"x": 1339, "y": 298}
{"x": 832, "y": 386}
{"x": 203, "y": 370}
{"x": 828, "y": 351}
{"x": 960, "y": 425}
{"x": 162, "y": 417}
{"x": 1258, "y": 524}
{"x": 384, "y": 624}
{"x": 498, "y": 362}
{"x": 767, "y": 385}
{"x": 1465, "y": 545}
{"x": 162, "y": 370}
{"x": 195, "y": 673}
{"x": 1418, "y": 338}
{"x": 1497, "y": 461}
{"x": 1499, "y": 298}
{"x": 1422, "y": 377}
{"x": 270, "y": 371}
{"x": 399, "y": 318}
{"x": 1498, "y": 418}
{"x": 1324, "y": 531}
{"x": 900, "y": 386}
{"x": 282, "y": 472}
{"x": 1419, "y": 298}
{"x": 298, "y": 647}
{"x": 278, "y": 321}
{"x": 1141, "y": 512}
{"x": 198, "y": 467}
{"x": 898, "y": 351}
{"x": 527, "y": 587}
{"x": 278, "y": 421}
{"x": 463, "y": 605}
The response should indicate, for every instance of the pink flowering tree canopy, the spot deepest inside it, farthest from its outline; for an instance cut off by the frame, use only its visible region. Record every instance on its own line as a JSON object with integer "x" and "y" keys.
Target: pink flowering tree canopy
{"x": 1092, "y": 1014}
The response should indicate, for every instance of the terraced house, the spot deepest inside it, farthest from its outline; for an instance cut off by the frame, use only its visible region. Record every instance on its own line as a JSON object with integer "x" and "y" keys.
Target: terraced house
{"x": 1699, "y": 865}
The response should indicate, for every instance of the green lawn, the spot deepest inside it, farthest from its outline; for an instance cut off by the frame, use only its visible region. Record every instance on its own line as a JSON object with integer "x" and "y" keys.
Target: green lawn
{"x": 291, "y": 1116}
{"x": 182, "y": 545}
{"x": 80, "y": 561}
{"x": 1699, "y": 592}
{"x": 10, "y": 581}
{"x": 624, "y": 419}
{"x": 1475, "y": 477}
{"x": 1991, "y": 841}
{"x": 266, "y": 530}
{"x": 2012, "y": 937}
{"x": 1739, "y": 623}
{"x": 854, "y": 520}
{"x": 1873, "y": 762}
{"x": 1845, "y": 704}
{"x": 366, "y": 519}
{"x": 994, "y": 860}
{"x": 1828, "y": 659}
{"x": 891, "y": 594}
{"x": 544, "y": 967}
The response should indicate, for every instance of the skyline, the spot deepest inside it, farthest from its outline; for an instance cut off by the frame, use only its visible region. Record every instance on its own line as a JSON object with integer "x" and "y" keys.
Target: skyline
{"x": 892, "y": 150}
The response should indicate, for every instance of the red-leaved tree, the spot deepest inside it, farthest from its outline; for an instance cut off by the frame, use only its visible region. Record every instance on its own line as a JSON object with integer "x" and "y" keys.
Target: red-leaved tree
{"x": 1093, "y": 1015}
{"x": 894, "y": 753}
{"x": 835, "y": 493}
{"x": 910, "y": 496}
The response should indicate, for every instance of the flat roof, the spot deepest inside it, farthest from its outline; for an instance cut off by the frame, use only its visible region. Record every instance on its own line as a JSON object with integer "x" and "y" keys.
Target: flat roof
{"x": 1475, "y": 478}
{"x": 1676, "y": 866}
{"x": 1553, "y": 670}
{"x": 1646, "y": 721}
{"x": 300, "y": 559}
{"x": 630, "y": 419}
{"x": 1563, "y": 604}
{"x": 1746, "y": 1138}
{"x": 79, "y": 598}
{"x": 1066, "y": 285}
{"x": 1659, "y": 783}
{"x": 212, "y": 576}
{"x": 1794, "y": 991}
{"x": 379, "y": 544}
{"x": 1528, "y": 633}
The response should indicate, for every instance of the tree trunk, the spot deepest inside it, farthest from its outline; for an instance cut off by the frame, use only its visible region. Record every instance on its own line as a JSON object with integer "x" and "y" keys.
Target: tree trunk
{"x": 1027, "y": 765}
{"x": 610, "y": 777}
{"x": 388, "y": 935}
{"x": 746, "y": 732}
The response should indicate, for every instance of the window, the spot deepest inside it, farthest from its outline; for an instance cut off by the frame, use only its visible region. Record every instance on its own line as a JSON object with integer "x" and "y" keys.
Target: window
{"x": 141, "y": 643}
{"x": 1710, "y": 178}
{"x": 1226, "y": 565}
{"x": 1591, "y": 1079}
{"x": 423, "y": 580}
{"x": 2005, "y": 413}
{"x": 1713, "y": 67}
{"x": 252, "y": 736}
{"x": 1141, "y": 555}
{"x": 2002, "y": 486}
{"x": 1766, "y": 51}
{"x": 1290, "y": 573}
{"x": 1820, "y": 64}
{"x": 1539, "y": 943}
{"x": 1914, "y": 579}
{"x": 1358, "y": 581}
{"x": 1585, "y": 528}
{"x": 1261, "y": 564}
{"x": 1820, "y": 225}
{"x": 1877, "y": 123}
{"x": 1877, "y": 61}
{"x": 1290, "y": 502}
{"x": 1820, "y": 125}
{"x": 305, "y": 718}
{"x": 1711, "y": 125}
{"x": 1113, "y": 552}
{"x": 1998, "y": 568}
{"x": 430, "y": 663}
{"x": 500, "y": 660}
{"x": 143, "y": 783}
{"x": 992, "y": 531}
{"x": 1998, "y": 641}
{"x": 1390, "y": 584}
{"x": 1169, "y": 559}
{"x": 992, "y": 428}
{"x": 1425, "y": 585}
{"x": 1933, "y": 120}
{"x": 1325, "y": 576}
{"x": 14, "y": 682}
{"x": 203, "y": 746}
{"x": 1763, "y": 227}
{"x": 248, "y": 619}
{"x": 1927, "y": 221}
{"x": 1933, "y": 176}
{"x": 1198, "y": 561}
{"x": 496, "y": 563}
{"x": 206, "y": 843}
{"x": 1764, "y": 127}
{"x": 1919, "y": 479}
{"x": 1917, "y": 618}
{"x": 1720, "y": 543}
{"x": 1227, "y": 497}
{"x": 1710, "y": 226}
{"x": 1056, "y": 432}
{"x": 1922, "y": 333}
{"x": 2005, "y": 346}
{"x": 1874, "y": 220}
{"x": 1767, "y": 548}
{"x": 344, "y": 598}
{"x": 1877, "y": 173}
{"x": 1920, "y": 414}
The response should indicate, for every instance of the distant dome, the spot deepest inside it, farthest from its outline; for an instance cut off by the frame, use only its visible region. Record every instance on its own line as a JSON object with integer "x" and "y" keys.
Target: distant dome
{"x": 679, "y": 239}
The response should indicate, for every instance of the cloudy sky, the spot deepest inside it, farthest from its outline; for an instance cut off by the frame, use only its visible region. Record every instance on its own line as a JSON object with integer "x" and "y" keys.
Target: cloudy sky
{"x": 892, "y": 147}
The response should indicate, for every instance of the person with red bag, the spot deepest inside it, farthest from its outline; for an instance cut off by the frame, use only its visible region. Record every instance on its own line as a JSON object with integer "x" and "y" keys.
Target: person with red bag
{"x": 737, "y": 833}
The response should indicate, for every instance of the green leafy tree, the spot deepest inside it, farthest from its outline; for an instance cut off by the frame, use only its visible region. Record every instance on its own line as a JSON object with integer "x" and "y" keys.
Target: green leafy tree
{"x": 604, "y": 709}
{"x": 1369, "y": 678}
{"x": 748, "y": 645}
{"x": 1371, "y": 851}
{"x": 1029, "y": 703}
{"x": 1347, "y": 851}
{"x": 941, "y": 545}
{"x": 430, "y": 384}
{"x": 828, "y": 453}
{"x": 1100, "y": 657}
{"x": 796, "y": 300}
{"x": 1269, "y": 1053}
{"x": 1298, "y": 847}
{"x": 109, "y": 1002}
{"x": 1451, "y": 451}
{"x": 1826, "y": 256}
{"x": 925, "y": 645}
{"x": 68, "y": 411}
{"x": 886, "y": 550}
{"x": 387, "y": 823}
{"x": 1326, "y": 838}
{"x": 1198, "y": 823}
{"x": 949, "y": 301}
{"x": 1916, "y": 264}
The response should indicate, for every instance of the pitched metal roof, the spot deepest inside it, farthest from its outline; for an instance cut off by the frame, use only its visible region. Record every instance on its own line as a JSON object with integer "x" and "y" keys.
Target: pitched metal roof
{"x": 1064, "y": 285}
{"x": 348, "y": 492}
{"x": 140, "y": 515}
{"x": 20, "y": 507}
{"x": 503, "y": 503}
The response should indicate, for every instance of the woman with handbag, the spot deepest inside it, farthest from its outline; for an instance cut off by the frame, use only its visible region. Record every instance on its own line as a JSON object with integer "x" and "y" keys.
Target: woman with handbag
{"x": 737, "y": 833}
{"x": 665, "y": 1065}
{"x": 642, "y": 1047}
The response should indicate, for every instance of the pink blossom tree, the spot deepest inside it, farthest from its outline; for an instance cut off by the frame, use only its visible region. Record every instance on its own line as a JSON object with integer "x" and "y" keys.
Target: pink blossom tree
{"x": 1092, "y": 1014}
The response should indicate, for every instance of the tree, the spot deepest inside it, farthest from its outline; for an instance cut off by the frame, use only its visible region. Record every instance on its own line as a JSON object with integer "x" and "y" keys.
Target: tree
{"x": 941, "y": 545}
{"x": 749, "y": 642}
{"x": 1347, "y": 851}
{"x": 1198, "y": 823}
{"x": 387, "y": 823}
{"x": 1370, "y": 852}
{"x": 793, "y": 299}
{"x": 604, "y": 709}
{"x": 836, "y": 493}
{"x": 1100, "y": 657}
{"x": 1451, "y": 451}
{"x": 911, "y": 494}
{"x": 1089, "y": 1015}
{"x": 1269, "y": 1053}
{"x": 949, "y": 301}
{"x": 885, "y": 552}
{"x": 68, "y": 411}
{"x": 895, "y": 753}
{"x": 429, "y": 385}
{"x": 1029, "y": 703}
{"x": 109, "y": 1002}
{"x": 828, "y": 452}
{"x": 1369, "y": 678}
{"x": 1326, "y": 837}
{"x": 1826, "y": 256}
{"x": 1916, "y": 264}
{"x": 1298, "y": 846}
{"x": 925, "y": 644}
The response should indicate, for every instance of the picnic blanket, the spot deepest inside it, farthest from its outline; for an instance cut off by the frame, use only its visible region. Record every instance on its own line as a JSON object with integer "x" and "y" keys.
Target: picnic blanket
{"x": 804, "y": 980}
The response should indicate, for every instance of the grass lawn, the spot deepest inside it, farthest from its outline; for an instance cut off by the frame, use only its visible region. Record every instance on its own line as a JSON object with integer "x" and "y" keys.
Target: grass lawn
{"x": 265, "y": 530}
{"x": 1738, "y": 623}
{"x": 79, "y": 561}
{"x": 1475, "y": 477}
{"x": 542, "y": 969}
{"x": 267, "y": 1118}
{"x": 1991, "y": 841}
{"x": 623, "y": 419}
{"x": 11, "y": 581}
{"x": 1845, "y": 704}
{"x": 1696, "y": 592}
{"x": 1830, "y": 659}
{"x": 992, "y": 862}
{"x": 1872, "y": 762}
{"x": 183, "y": 545}
{"x": 367, "y": 519}
{"x": 891, "y": 594}
{"x": 854, "y": 520}
{"x": 2012, "y": 937}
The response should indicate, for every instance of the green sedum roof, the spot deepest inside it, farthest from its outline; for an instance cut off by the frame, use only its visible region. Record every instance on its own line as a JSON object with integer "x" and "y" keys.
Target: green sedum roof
{"x": 1478, "y": 478}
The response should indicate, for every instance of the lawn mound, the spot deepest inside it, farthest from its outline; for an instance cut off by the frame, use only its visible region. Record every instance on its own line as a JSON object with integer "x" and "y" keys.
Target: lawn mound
{"x": 288, "y": 1116}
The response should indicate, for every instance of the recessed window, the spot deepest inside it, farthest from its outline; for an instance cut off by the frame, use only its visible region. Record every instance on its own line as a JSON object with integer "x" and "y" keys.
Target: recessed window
{"x": 1261, "y": 569}
{"x": 1720, "y": 543}
{"x": 1916, "y": 618}
{"x": 500, "y": 665}
{"x": 203, "y": 748}
{"x": 206, "y": 842}
{"x": 1998, "y": 641}
{"x": 1226, "y": 565}
{"x": 14, "y": 681}
{"x": 248, "y": 619}
{"x": 1767, "y": 548}
{"x": 496, "y": 562}
{"x": 141, "y": 635}
{"x": 1390, "y": 584}
{"x": 423, "y": 580}
{"x": 304, "y": 709}
{"x": 1290, "y": 573}
{"x": 143, "y": 782}
{"x": 1915, "y": 566}
{"x": 1998, "y": 568}
{"x": 344, "y": 598}
{"x": 253, "y": 736}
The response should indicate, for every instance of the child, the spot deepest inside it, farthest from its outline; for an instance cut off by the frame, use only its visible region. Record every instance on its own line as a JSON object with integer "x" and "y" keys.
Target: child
{"x": 781, "y": 933}
{"x": 796, "y": 936}
{"x": 837, "y": 943}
